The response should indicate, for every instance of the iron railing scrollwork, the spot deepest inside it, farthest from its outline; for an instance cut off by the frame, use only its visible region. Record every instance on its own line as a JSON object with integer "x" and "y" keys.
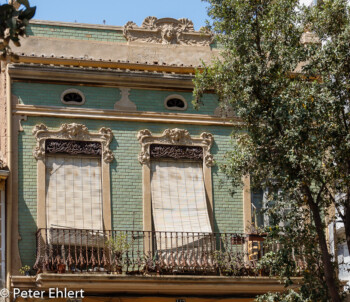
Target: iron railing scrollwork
{"x": 142, "y": 252}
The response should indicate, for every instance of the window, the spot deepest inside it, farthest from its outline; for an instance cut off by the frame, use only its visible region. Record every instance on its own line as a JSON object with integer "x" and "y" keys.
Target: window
{"x": 261, "y": 201}
{"x": 177, "y": 193}
{"x": 73, "y": 192}
{"x": 72, "y": 97}
{"x": 175, "y": 102}
{"x": 344, "y": 261}
{"x": 178, "y": 197}
{"x": 260, "y": 218}
{"x": 177, "y": 181}
{"x": 73, "y": 169}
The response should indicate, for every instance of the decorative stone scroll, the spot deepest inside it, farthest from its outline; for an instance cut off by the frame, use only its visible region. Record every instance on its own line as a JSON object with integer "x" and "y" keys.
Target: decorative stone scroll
{"x": 167, "y": 31}
{"x": 70, "y": 136}
{"x": 175, "y": 143}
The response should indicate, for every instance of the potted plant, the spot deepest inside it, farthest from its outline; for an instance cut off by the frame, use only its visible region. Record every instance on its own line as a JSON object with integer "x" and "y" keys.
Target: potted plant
{"x": 117, "y": 246}
{"x": 24, "y": 270}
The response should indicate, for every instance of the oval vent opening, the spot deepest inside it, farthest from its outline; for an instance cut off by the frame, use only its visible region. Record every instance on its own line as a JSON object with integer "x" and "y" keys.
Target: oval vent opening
{"x": 175, "y": 102}
{"x": 73, "y": 97}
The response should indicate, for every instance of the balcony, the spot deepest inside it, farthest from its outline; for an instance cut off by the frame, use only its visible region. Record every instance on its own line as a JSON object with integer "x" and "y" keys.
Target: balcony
{"x": 115, "y": 252}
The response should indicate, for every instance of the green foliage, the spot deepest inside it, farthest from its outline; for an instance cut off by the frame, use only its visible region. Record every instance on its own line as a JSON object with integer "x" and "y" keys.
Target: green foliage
{"x": 293, "y": 249}
{"x": 290, "y": 296}
{"x": 292, "y": 94}
{"x": 119, "y": 244}
{"x": 24, "y": 269}
{"x": 12, "y": 25}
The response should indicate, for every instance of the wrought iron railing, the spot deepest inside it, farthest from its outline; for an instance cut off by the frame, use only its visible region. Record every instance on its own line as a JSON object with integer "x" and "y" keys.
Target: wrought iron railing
{"x": 145, "y": 252}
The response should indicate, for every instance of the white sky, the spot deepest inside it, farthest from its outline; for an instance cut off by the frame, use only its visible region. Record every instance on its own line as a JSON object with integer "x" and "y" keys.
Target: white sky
{"x": 306, "y": 2}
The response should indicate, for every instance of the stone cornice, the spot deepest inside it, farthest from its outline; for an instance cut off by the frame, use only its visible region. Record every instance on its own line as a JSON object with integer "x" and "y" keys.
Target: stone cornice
{"x": 148, "y": 117}
{"x": 102, "y": 77}
{"x": 165, "y": 285}
{"x": 106, "y": 64}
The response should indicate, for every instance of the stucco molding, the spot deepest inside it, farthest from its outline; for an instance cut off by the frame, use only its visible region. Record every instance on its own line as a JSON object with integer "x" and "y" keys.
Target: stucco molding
{"x": 167, "y": 31}
{"x": 125, "y": 104}
{"x": 72, "y": 131}
{"x": 179, "y": 137}
{"x": 127, "y": 116}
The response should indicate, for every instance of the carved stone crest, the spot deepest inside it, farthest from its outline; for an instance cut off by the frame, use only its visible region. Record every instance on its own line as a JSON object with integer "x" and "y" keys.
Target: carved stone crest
{"x": 72, "y": 132}
{"x": 167, "y": 31}
{"x": 179, "y": 139}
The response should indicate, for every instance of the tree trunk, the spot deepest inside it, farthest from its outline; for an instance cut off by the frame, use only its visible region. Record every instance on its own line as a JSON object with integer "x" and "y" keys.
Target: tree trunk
{"x": 326, "y": 257}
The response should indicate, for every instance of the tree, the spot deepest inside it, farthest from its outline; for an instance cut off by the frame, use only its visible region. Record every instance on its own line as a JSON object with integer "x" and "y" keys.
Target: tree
{"x": 285, "y": 71}
{"x": 12, "y": 24}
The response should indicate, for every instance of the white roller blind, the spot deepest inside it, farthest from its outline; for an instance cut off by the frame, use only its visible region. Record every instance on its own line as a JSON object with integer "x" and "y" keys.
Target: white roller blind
{"x": 178, "y": 197}
{"x": 73, "y": 192}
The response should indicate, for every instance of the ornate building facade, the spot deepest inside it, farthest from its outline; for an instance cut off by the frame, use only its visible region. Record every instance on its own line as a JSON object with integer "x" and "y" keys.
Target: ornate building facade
{"x": 114, "y": 185}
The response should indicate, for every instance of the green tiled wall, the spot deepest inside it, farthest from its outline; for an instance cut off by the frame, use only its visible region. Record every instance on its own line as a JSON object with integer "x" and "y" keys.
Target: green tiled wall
{"x": 126, "y": 178}
{"x": 77, "y": 33}
{"x": 105, "y": 98}
{"x": 82, "y": 33}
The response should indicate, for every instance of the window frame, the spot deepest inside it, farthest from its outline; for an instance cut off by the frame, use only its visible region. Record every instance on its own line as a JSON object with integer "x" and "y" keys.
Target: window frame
{"x": 178, "y": 137}
{"x": 73, "y": 132}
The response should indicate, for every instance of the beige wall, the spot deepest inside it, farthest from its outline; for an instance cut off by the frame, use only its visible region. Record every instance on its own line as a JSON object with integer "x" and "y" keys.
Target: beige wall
{"x": 3, "y": 111}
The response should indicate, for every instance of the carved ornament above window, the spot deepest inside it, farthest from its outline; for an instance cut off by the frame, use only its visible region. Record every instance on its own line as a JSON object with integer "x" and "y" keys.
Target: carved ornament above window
{"x": 73, "y": 147}
{"x": 177, "y": 144}
{"x": 72, "y": 138}
{"x": 176, "y": 152}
